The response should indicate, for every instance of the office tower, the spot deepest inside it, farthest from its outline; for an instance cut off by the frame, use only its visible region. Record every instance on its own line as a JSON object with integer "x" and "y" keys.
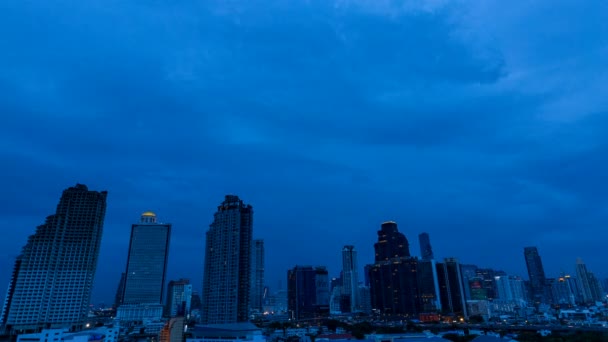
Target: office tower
{"x": 365, "y": 299}
{"x": 53, "y": 277}
{"x": 227, "y": 274}
{"x": 476, "y": 289}
{"x": 350, "y": 277}
{"x": 426, "y": 252}
{"x": 120, "y": 290}
{"x": 257, "y": 275}
{"x": 302, "y": 293}
{"x": 393, "y": 277}
{"x": 366, "y": 269}
{"x": 195, "y": 301}
{"x": 428, "y": 286}
{"x": 451, "y": 287}
{"x": 179, "y": 298}
{"x": 146, "y": 270}
{"x": 536, "y": 273}
{"x": 322, "y": 285}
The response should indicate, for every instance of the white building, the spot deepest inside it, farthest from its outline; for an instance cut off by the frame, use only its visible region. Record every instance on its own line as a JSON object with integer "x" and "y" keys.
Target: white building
{"x": 100, "y": 334}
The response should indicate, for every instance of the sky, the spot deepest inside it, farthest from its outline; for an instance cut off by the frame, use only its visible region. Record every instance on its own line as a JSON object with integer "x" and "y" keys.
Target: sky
{"x": 480, "y": 122}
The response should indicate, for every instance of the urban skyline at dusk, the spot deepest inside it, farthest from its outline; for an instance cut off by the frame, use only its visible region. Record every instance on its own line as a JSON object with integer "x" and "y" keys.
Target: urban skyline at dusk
{"x": 483, "y": 125}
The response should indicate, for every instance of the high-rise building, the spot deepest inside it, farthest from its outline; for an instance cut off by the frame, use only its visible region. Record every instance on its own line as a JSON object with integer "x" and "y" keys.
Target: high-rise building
{"x": 179, "y": 298}
{"x": 350, "y": 277}
{"x": 589, "y": 286}
{"x": 536, "y": 272}
{"x": 146, "y": 270}
{"x": 562, "y": 291}
{"x": 451, "y": 287}
{"x": 511, "y": 288}
{"x": 393, "y": 277}
{"x": 428, "y": 286}
{"x": 426, "y": 252}
{"x": 53, "y": 277}
{"x": 322, "y": 285}
{"x": 227, "y": 274}
{"x": 469, "y": 272}
{"x": 120, "y": 290}
{"x": 257, "y": 276}
{"x": 302, "y": 292}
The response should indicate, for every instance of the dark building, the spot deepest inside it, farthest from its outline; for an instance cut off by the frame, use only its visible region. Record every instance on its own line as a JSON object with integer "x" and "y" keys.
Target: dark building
{"x": 428, "y": 286}
{"x": 451, "y": 288}
{"x": 302, "y": 302}
{"x": 393, "y": 277}
{"x": 468, "y": 272}
{"x": 366, "y": 269}
{"x": 120, "y": 290}
{"x": 476, "y": 288}
{"x": 53, "y": 277}
{"x": 536, "y": 272}
{"x": 489, "y": 281}
{"x": 426, "y": 252}
{"x": 179, "y": 298}
{"x": 227, "y": 273}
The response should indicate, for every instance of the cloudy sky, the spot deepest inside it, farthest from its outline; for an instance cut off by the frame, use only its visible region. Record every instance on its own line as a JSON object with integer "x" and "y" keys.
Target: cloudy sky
{"x": 482, "y": 123}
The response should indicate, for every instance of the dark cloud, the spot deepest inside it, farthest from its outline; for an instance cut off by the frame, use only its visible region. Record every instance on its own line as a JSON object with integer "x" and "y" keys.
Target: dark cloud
{"x": 481, "y": 123}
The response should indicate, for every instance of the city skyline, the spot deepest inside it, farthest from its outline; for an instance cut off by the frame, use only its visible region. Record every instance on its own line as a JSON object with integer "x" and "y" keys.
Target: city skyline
{"x": 482, "y": 124}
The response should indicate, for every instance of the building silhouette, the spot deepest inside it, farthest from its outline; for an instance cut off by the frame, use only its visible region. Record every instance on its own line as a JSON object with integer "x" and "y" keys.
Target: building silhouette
{"x": 451, "y": 288}
{"x": 393, "y": 277}
{"x": 350, "y": 278}
{"x": 179, "y": 298}
{"x": 257, "y": 276}
{"x": 426, "y": 251}
{"x": 589, "y": 286}
{"x": 53, "y": 277}
{"x": 302, "y": 301}
{"x": 428, "y": 286}
{"x": 536, "y": 273}
{"x": 227, "y": 272}
{"x": 146, "y": 270}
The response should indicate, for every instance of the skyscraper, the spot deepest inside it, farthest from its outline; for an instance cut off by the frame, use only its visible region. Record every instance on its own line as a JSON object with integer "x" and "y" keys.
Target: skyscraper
{"x": 227, "y": 273}
{"x": 536, "y": 272}
{"x": 179, "y": 298}
{"x": 451, "y": 287}
{"x": 393, "y": 277}
{"x": 257, "y": 275}
{"x": 350, "y": 276}
{"x": 146, "y": 270}
{"x": 53, "y": 277}
{"x": 426, "y": 252}
{"x": 589, "y": 286}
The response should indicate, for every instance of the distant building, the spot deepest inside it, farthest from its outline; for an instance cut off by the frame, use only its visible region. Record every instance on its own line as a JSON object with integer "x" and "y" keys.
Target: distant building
{"x": 322, "y": 285}
{"x": 393, "y": 277}
{"x": 469, "y": 272}
{"x": 120, "y": 290}
{"x": 227, "y": 274}
{"x": 511, "y": 288}
{"x": 562, "y": 292}
{"x": 107, "y": 333}
{"x": 536, "y": 272}
{"x": 589, "y": 286}
{"x": 179, "y": 298}
{"x": 350, "y": 277}
{"x": 146, "y": 270}
{"x": 302, "y": 292}
{"x": 173, "y": 331}
{"x": 426, "y": 251}
{"x": 53, "y": 276}
{"x": 257, "y": 276}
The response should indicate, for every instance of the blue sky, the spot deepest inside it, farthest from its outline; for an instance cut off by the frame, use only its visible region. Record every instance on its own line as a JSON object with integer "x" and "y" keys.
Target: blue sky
{"x": 480, "y": 122}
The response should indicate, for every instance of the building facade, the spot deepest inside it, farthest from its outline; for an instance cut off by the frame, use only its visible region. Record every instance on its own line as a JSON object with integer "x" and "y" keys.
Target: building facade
{"x": 350, "y": 277}
{"x": 426, "y": 251}
{"x": 536, "y": 273}
{"x": 257, "y": 276}
{"x": 179, "y": 298}
{"x": 227, "y": 271}
{"x": 146, "y": 269}
{"x": 53, "y": 277}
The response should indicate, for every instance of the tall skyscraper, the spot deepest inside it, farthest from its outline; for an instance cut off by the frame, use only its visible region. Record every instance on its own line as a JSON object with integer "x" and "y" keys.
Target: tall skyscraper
{"x": 428, "y": 286}
{"x": 536, "y": 272}
{"x": 511, "y": 288}
{"x": 179, "y": 298}
{"x": 393, "y": 277}
{"x": 350, "y": 276}
{"x": 53, "y": 277}
{"x": 227, "y": 273}
{"x": 322, "y": 285}
{"x": 426, "y": 252}
{"x": 257, "y": 275}
{"x": 146, "y": 270}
